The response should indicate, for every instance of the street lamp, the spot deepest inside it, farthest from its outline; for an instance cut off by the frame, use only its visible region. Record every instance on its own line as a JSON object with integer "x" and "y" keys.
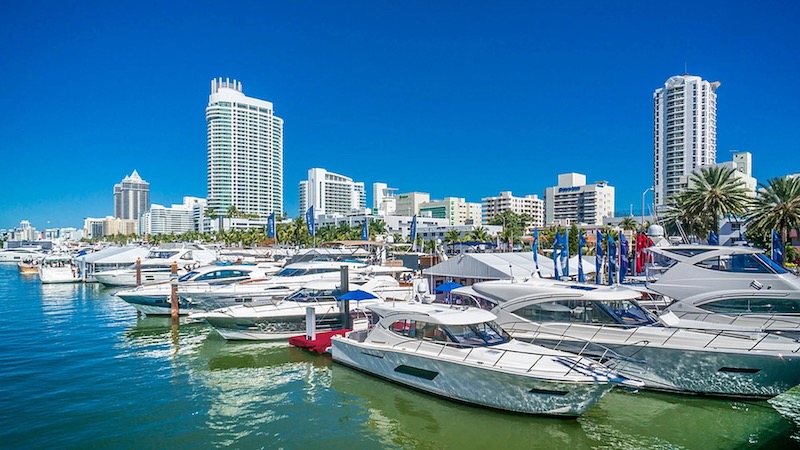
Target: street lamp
{"x": 643, "y": 194}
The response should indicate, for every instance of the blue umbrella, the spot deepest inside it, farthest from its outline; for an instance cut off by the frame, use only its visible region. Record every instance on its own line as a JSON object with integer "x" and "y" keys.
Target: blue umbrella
{"x": 357, "y": 295}
{"x": 447, "y": 287}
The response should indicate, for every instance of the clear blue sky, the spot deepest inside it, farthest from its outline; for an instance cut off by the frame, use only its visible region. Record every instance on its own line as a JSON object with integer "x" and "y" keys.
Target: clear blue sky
{"x": 454, "y": 98}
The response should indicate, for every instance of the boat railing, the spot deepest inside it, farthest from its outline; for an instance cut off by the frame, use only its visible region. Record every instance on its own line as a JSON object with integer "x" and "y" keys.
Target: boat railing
{"x": 635, "y": 335}
{"x": 574, "y": 364}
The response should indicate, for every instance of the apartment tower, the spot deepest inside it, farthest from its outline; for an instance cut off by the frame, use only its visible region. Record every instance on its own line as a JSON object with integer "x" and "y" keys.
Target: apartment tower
{"x": 245, "y": 152}
{"x": 684, "y": 132}
{"x": 131, "y": 197}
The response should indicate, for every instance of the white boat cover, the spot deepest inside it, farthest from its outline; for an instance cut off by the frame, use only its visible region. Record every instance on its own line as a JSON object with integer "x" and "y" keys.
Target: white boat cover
{"x": 502, "y": 266}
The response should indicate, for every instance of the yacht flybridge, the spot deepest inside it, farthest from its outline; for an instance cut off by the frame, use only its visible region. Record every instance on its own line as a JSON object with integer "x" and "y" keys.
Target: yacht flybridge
{"x": 607, "y": 324}
{"x": 460, "y": 353}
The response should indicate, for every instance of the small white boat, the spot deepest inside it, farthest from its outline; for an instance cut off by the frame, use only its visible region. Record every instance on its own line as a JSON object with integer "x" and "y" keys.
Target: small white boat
{"x": 59, "y": 268}
{"x": 460, "y": 353}
{"x": 29, "y": 266}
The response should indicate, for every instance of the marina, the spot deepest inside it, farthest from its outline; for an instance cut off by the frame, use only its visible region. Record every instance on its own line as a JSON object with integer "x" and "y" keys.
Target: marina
{"x": 79, "y": 369}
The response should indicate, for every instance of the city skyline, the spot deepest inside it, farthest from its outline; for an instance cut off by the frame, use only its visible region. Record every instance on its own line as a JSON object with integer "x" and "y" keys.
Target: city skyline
{"x": 494, "y": 98}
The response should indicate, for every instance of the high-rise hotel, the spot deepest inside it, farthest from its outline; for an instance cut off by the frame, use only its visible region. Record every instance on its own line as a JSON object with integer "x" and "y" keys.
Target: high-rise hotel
{"x": 245, "y": 152}
{"x": 684, "y": 132}
{"x": 131, "y": 197}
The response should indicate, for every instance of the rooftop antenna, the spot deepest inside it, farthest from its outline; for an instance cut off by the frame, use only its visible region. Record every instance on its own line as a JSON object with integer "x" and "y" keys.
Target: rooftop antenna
{"x": 686, "y": 68}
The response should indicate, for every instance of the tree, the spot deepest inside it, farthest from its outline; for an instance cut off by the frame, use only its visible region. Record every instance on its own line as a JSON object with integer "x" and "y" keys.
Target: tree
{"x": 233, "y": 212}
{"x": 629, "y": 224}
{"x": 480, "y": 234}
{"x": 713, "y": 193}
{"x": 452, "y": 236}
{"x": 514, "y": 225}
{"x": 777, "y": 207}
{"x": 211, "y": 213}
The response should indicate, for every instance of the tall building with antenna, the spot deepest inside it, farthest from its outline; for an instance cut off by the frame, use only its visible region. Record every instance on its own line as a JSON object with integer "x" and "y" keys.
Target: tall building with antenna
{"x": 684, "y": 132}
{"x": 245, "y": 152}
{"x": 131, "y": 197}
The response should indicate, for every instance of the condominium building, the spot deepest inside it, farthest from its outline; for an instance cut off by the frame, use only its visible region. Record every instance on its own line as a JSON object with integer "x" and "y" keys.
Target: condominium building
{"x": 574, "y": 201}
{"x": 684, "y": 132}
{"x": 531, "y": 205}
{"x": 175, "y": 219}
{"x": 456, "y": 210}
{"x": 408, "y": 204}
{"x": 742, "y": 164}
{"x": 245, "y": 152}
{"x": 331, "y": 193}
{"x": 131, "y": 197}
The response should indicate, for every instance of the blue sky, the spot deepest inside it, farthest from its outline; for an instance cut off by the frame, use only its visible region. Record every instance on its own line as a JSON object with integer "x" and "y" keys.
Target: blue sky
{"x": 459, "y": 99}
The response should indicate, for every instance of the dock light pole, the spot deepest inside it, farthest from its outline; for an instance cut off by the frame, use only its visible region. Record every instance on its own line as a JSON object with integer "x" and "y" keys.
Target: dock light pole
{"x": 643, "y": 194}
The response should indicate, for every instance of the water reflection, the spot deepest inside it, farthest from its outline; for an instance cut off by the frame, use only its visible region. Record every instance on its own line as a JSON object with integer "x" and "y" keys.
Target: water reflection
{"x": 621, "y": 420}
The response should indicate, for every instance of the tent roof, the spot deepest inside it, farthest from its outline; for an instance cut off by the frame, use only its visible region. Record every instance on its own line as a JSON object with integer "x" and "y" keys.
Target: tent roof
{"x": 129, "y": 255}
{"x": 500, "y": 266}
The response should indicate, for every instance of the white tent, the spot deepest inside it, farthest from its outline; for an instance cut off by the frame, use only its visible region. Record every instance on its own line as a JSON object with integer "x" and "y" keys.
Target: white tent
{"x": 498, "y": 266}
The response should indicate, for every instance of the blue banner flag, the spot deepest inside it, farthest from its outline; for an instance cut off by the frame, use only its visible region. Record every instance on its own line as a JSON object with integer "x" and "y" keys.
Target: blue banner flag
{"x": 365, "y": 230}
{"x": 536, "y": 250}
{"x": 612, "y": 258}
{"x": 310, "y": 221}
{"x": 623, "y": 257}
{"x": 565, "y": 254}
{"x": 712, "y": 238}
{"x": 777, "y": 248}
{"x": 413, "y": 233}
{"x": 556, "y": 254}
{"x": 581, "y": 243}
{"x": 598, "y": 258}
{"x": 271, "y": 226}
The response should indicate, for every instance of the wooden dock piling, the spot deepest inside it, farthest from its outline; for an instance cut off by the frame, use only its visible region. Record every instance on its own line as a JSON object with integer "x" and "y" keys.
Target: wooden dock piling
{"x": 173, "y": 298}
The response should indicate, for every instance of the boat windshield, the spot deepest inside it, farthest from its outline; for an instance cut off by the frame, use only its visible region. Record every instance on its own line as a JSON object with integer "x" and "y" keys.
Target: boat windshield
{"x": 741, "y": 263}
{"x": 161, "y": 254}
{"x": 471, "y": 335}
{"x": 306, "y": 295}
{"x": 614, "y": 312}
{"x": 188, "y": 276}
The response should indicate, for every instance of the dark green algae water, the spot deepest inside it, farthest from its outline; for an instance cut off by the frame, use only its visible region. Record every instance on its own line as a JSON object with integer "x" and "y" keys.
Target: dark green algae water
{"x": 78, "y": 369}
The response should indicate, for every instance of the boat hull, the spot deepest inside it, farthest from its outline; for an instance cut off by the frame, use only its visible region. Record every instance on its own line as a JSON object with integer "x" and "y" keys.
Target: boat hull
{"x": 716, "y": 373}
{"x": 481, "y": 386}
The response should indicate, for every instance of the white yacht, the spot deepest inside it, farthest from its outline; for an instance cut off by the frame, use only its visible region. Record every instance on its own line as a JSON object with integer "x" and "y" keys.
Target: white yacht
{"x": 292, "y": 278}
{"x": 284, "y": 318}
{"x": 736, "y": 286}
{"x": 153, "y": 298}
{"x": 607, "y": 324}
{"x": 156, "y": 266}
{"x": 59, "y": 268}
{"x": 15, "y": 255}
{"x": 460, "y": 353}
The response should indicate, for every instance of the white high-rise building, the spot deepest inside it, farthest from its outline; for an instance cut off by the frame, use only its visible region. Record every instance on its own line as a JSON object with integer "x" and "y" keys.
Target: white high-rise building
{"x": 408, "y": 204}
{"x": 684, "y": 132}
{"x": 574, "y": 201}
{"x": 175, "y": 219}
{"x": 131, "y": 197}
{"x": 245, "y": 152}
{"x": 331, "y": 194}
{"x": 384, "y": 201}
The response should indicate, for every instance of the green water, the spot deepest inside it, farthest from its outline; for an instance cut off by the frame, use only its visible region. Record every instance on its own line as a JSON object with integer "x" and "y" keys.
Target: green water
{"x": 79, "y": 370}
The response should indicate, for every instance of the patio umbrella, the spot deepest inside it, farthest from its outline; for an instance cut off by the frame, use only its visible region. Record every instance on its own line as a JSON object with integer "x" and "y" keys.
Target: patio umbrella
{"x": 447, "y": 287}
{"x": 357, "y": 295}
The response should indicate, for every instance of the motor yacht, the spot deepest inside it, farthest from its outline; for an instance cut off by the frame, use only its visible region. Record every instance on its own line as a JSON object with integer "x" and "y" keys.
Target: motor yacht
{"x": 292, "y": 278}
{"x": 153, "y": 299}
{"x": 59, "y": 268}
{"x": 461, "y": 353}
{"x": 284, "y": 318}
{"x": 156, "y": 266}
{"x": 15, "y": 255}
{"x": 736, "y": 286}
{"x": 607, "y": 324}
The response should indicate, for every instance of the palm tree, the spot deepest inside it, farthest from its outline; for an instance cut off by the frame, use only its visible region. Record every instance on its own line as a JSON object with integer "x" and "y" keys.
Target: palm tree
{"x": 628, "y": 224}
{"x": 480, "y": 234}
{"x": 713, "y": 193}
{"x": 777, "y": 207}
{"x": 452, "y": 236}
{"x": 233, "y": 212}
{"x": 211, "y": 213}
